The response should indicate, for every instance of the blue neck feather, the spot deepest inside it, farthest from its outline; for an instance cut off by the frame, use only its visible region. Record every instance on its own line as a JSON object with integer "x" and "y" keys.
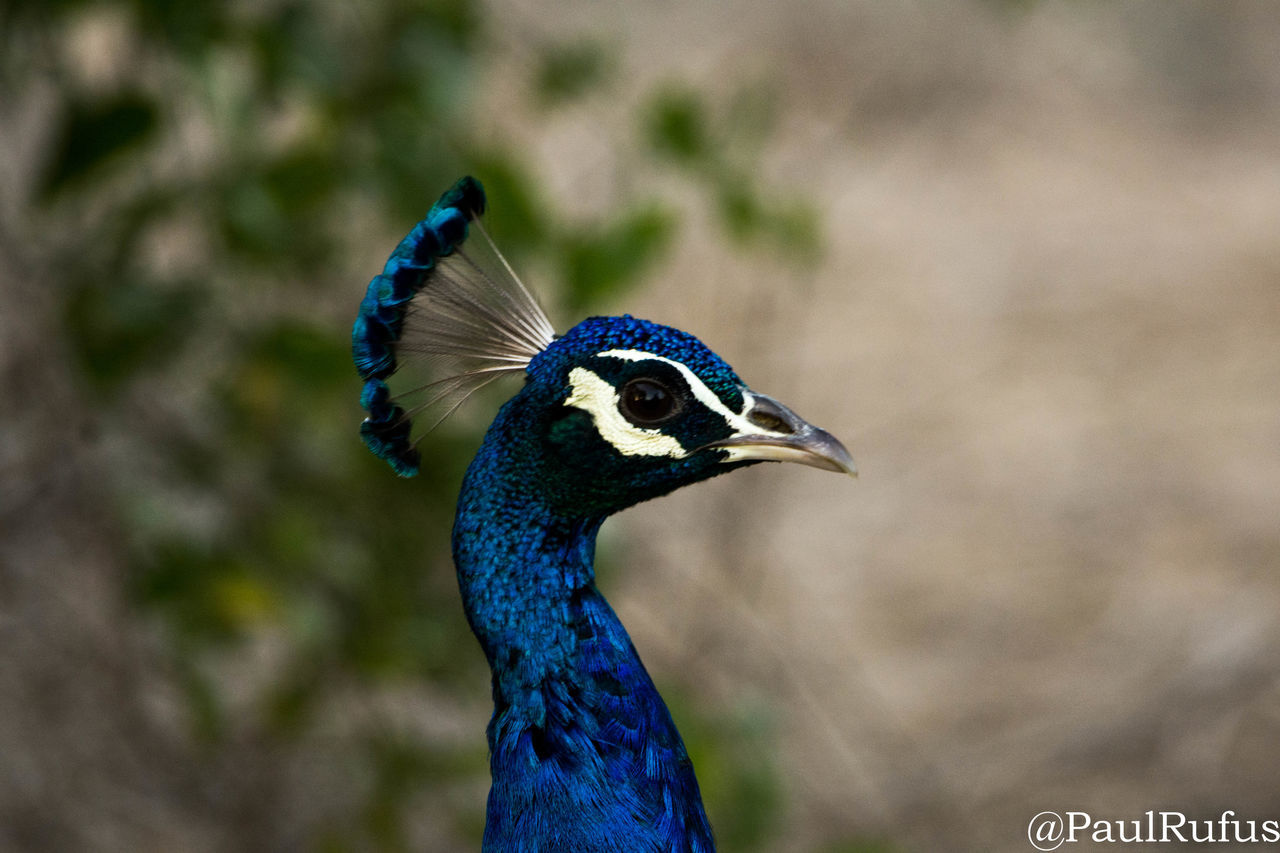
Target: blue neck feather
{"x": 584, "y": 754}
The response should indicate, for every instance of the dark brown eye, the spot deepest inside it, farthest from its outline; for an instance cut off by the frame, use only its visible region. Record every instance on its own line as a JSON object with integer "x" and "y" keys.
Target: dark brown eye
{"x": 646, "y": 402}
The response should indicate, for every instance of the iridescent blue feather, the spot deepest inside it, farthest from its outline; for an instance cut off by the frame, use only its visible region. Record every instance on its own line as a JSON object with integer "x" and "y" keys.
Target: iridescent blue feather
{"x": 465, "y": 313}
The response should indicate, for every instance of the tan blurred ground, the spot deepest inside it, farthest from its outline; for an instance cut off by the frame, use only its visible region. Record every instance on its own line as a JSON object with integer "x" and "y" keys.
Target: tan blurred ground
{"x": 1048, "y": 326}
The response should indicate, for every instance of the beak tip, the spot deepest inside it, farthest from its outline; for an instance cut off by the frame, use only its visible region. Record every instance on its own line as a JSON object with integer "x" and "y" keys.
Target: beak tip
{"x": 845, "y": 465}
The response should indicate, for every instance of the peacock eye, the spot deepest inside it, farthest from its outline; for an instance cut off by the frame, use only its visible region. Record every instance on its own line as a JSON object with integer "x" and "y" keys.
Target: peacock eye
{"x": 646, "y": 402}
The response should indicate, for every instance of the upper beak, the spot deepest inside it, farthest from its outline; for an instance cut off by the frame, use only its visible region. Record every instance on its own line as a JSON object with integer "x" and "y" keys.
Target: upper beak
{"x": 778, "y": 434}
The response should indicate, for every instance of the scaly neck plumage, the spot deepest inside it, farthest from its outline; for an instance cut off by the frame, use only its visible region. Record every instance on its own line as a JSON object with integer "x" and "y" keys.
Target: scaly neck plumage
{"x": 584, "y": 754}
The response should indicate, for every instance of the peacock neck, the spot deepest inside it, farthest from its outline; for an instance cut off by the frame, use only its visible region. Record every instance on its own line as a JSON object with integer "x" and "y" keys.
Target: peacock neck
{"x": 579, "y": 732}
{"x": 523, "y": 570}
{"x": 527, "y": 577}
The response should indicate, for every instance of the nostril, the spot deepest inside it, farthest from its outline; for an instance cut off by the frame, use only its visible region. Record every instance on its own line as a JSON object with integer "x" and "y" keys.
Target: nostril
{"x": 769, "y": 421}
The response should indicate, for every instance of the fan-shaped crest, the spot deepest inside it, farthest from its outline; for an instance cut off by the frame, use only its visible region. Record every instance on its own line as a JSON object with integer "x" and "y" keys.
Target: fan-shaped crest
{"x": 461, "y": 311}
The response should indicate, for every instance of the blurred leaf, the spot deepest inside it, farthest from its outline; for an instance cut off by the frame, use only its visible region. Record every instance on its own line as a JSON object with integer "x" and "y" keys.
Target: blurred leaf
{"x": 739, "y": 210}
{"x": 208, "y": 719}
{"x": 733, "y": 754}
{"x": 795, "y": 229}
{"x": 189, "y": 27}
{"x": 119, "y": 328}
{"x": 568, "y": 71}
{"x": 242, "y": 600}
{"x": 516, "y": 218}
{"x": 93, "y": 133}
{"x": 721, "y": 155}
{"x": 184, "y": 578}
{"x": 12, "y": 10}
{"x": 292, "y": 698}
{"x": 790, "y": 226}
{"x": 599, "y": 264}
{"x": 276, "y": 214}
{"x": 676, "y": 125}
{"x": 289, "y": 383}
{"x": 302, "y": 180}
{"x": 460, "y": 21}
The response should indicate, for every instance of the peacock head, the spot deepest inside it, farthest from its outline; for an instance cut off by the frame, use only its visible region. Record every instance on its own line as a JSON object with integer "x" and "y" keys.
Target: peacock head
{"x": 616, "y": 411}
{"x": 623, "y": 410}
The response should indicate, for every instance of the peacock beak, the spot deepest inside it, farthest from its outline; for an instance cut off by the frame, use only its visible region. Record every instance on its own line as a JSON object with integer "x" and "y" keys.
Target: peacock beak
{"x": 777, "y": 434}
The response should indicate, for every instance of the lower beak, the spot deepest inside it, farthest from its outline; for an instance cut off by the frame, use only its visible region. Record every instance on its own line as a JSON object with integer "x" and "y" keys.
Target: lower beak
{"x": 784, "y": 436}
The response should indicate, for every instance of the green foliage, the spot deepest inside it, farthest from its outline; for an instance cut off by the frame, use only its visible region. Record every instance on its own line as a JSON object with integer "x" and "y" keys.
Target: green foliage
{"x": 602, "y": 261}
{"x": 118, "y": 329}
{"x": 519, "y": 221}
{"x": 570, "y": 70}
{"x": 734, "y": 754}
{"x": 677, "y": 127}
{"x": 722, "y": 153}
{"x": 95, "y": 132}
{"x": 200, "y": 214}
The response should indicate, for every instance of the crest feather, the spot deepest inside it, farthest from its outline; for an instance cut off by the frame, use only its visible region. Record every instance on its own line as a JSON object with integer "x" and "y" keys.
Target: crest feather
{"x": 461, "y": 311}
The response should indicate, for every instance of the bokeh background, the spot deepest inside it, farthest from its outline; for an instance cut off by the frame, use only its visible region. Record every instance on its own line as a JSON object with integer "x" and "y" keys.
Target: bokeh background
{"x": 1023, "y": 257}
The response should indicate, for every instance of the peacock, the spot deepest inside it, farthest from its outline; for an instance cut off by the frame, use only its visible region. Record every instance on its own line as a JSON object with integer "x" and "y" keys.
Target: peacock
{"x": 584, "y": 755}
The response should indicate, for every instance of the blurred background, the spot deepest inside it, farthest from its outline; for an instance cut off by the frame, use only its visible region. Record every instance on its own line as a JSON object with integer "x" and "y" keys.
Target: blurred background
{"x": 1022, "y": 257}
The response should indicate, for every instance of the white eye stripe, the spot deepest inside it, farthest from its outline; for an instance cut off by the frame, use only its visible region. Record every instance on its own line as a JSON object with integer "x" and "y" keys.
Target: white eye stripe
{"x": 699, "y": 389}
{"x": 599, "y": 399}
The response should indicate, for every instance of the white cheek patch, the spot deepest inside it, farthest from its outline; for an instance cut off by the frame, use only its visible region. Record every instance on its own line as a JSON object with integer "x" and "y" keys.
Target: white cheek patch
{"x": 599, "y": 399}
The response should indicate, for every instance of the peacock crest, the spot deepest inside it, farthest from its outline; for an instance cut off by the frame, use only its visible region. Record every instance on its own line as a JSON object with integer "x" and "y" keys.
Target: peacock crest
{"x": 462, "y": 312}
